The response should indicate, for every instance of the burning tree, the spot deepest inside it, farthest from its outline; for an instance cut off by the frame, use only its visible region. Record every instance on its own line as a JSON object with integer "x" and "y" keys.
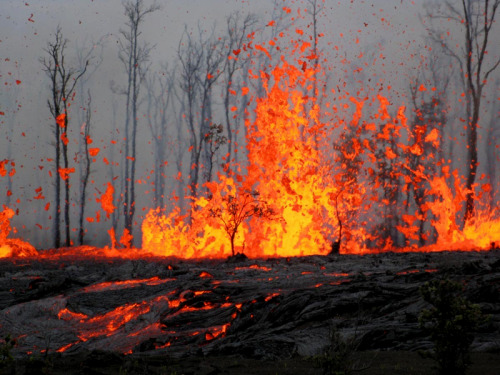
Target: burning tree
{"x": 423, "y": 156}
{"x": 476, "y": 19}
{"x": 201, "y": 65}
{"x": 85, "y": 162}
{"x": 237, "y": 207}
{"x": 134, "y": 55}
{"x": 161, "y": 93}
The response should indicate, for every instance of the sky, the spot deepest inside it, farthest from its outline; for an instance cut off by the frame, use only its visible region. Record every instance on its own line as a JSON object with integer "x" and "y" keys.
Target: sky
{"x": 387, "y": 29}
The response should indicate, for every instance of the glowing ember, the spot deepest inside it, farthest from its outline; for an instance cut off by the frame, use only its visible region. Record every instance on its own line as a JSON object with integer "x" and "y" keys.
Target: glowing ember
{"x": 113, "y": 285}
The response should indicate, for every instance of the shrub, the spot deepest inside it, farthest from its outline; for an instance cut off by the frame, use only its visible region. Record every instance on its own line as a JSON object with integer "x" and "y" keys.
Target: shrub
{"x": 339, "y": 358}
{"x": 450, "y": 322}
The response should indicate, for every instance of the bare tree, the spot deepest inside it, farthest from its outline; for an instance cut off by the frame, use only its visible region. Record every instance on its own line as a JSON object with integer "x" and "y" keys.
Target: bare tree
{"x": 9, "y": 107}
{"x": 315, "y": 9}
{"x": 94, "y": 56}
{"x": 160, "y": 87}
{"x": 238, "y": 35}
{"x": 422, "y": 155}
{"x": 388, "y": 177}
{"x": 476, "y": 18}
{"x": 213, "y": 68}
{"x": 349, "y": 159}
{"x": 202, "y": 63}
{"x": 63, "y": 80}
{"x": 84, "y": 155}
{"x": 425, "y": 151}
{"x": 134, "y": 55}
{"x": 492, "y": 150}
{"x": 190, "y": 56}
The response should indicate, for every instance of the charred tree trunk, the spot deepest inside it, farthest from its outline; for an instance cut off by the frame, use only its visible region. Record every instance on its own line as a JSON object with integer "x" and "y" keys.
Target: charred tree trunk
{"x": 85, "y": 172}
{"x": 237, "y": 37}
{"x": 134, "y": 56}
{"x": 66, "y": 178}
{"x": 477, "y": 18}
{"x": 62, "y": 84}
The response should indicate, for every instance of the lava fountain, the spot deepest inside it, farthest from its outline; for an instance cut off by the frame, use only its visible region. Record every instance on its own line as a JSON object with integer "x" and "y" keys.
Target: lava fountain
{"x": 313, "y": 182}
{"x": 316, "y": 203}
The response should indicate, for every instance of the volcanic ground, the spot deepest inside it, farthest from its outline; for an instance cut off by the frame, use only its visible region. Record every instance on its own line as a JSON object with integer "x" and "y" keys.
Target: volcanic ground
{"x": 255, "y": 309}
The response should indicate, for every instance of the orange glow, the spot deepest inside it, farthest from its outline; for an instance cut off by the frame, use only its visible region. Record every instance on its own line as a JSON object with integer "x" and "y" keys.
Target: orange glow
{"x": 108, "y": 323}
{"x": 215, "y": 332}
{"x": 112, "y": 285}
{"x": 271, "y": 296}
{"x": 3, "y": 171}
{"x": 65, "y": 172}
{"x": 254, "y": 267}
{"x": 66, "y": 314}
{"x": 61, "y": 120}
{"x": 107, "y": 200}
{"x": 12, "y": 247}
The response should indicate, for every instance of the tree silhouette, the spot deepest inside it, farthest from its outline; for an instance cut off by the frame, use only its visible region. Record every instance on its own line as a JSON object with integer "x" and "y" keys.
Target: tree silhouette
{"x": 134, "y": 55}
{"x": 236, "y": 208}
{"x": 63, "y": 80}
{"x": 476, "y": 18}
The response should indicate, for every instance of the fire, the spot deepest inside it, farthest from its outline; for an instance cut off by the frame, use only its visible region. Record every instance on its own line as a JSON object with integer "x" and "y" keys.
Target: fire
{"x": 12, "y": 247}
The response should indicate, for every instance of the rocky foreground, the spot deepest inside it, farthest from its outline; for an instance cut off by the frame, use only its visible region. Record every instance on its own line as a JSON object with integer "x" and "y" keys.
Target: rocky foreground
{"x": 265, "y": 309}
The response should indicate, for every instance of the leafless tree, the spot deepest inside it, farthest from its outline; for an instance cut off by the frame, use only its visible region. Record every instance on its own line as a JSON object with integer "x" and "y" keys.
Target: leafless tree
{"x": 280, "y": 22}
{"x": 190, "y": 56}
{"x": 426, "y": 129}
{"x": 388, "y": 176}
{"x": 492, "y": 150}
{"x": 9, "y": 107}
{"x": 476, "y": 18}
{"x": 94, "y": 56}
{"x": 160, "y": 96}
{"x": 134, "y": 54}
{"x": 84, "y": 156}
{"x": 346, "y": 171}
{"x": 213, "y": 68}
{"x": 238, "y": 36}
{"x": 63, "y": 80}
{"x": 115, "y": 216}
{"x": 202, "y": 64}
{"x": 315, "y": 9}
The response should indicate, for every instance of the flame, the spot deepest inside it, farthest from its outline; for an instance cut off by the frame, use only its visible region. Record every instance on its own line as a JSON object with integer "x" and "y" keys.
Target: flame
{"x": 12, "y": 247}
